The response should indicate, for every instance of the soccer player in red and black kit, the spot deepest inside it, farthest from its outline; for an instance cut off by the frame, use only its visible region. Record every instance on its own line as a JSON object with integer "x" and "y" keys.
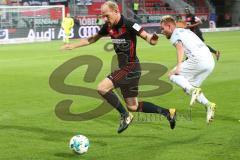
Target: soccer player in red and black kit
{"x": 193, "y": 23}
{"x": 123, "y": 34}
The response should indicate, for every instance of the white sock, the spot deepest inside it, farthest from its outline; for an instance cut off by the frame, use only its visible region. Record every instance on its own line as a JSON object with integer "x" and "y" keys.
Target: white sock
{"x": 182, "y": 82}
{"x": 202, "y": 99}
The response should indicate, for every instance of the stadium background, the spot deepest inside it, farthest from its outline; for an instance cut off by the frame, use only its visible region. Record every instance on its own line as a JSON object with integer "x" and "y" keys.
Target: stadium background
{"x": 213, "y": 14}
{"x": 31, "y": 130}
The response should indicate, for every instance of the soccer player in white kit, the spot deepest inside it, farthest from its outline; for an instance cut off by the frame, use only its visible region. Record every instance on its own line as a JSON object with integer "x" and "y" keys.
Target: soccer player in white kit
{"x": 190, "y": 74}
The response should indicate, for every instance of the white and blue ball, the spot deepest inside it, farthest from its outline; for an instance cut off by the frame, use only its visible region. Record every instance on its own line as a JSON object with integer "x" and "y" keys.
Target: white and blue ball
{"x": 79, "y": 144}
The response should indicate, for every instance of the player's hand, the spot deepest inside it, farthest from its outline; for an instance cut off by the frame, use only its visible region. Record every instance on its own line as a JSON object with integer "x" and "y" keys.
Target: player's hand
{"x": 174, "y": 72}
{"x": 170, "y": 73}
{"x": 154, "y": 39}
{"x": 177, "y": 71}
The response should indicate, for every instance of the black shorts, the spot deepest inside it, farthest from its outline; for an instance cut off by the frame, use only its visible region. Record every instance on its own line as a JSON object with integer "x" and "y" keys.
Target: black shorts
{"x": 127, "y": 79}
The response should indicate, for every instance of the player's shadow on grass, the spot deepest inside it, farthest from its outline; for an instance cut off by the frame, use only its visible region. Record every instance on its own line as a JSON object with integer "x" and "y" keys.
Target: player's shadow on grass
{"x": 65, "y": 155}
{"x": 74, "y": 155}
{"x": 61, "y": 135}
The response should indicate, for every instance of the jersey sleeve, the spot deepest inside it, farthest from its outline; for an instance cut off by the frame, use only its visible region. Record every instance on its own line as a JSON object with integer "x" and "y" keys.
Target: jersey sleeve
{"x": 133, "y": 27}
{"x": 103, "y": 31}
{"x": 175, "y": 38}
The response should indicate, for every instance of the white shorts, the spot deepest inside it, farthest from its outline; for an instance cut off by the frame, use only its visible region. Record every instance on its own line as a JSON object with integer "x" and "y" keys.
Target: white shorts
{"x": 196, "y": 71}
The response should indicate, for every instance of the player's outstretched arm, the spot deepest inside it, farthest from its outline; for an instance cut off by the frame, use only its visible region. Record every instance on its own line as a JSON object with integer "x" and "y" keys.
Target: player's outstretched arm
{"x": 150, "y": 38}
{"x": 82, "y": 42}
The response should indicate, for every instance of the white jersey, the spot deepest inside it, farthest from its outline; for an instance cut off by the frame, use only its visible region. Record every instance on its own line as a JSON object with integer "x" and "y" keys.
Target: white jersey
{"x": 193, "y": 46}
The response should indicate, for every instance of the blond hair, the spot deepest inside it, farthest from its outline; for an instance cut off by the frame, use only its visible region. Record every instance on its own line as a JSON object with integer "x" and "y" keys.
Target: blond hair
{"x": 168, "y": 19}
{"x": 112, "y": 5}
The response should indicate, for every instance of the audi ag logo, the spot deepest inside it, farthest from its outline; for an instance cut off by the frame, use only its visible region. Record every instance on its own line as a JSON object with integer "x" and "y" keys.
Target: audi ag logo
{"x": 3, "y": 34}
{"x": 87, "y": 31}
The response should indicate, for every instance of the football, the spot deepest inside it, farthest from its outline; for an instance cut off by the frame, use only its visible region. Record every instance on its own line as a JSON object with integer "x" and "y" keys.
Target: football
{"x": 79, "y": 144}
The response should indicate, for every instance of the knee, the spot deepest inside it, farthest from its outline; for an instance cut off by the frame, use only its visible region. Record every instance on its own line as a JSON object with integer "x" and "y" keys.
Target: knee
{"x": 132, "y": 108}
{"x": 101, "y": 89}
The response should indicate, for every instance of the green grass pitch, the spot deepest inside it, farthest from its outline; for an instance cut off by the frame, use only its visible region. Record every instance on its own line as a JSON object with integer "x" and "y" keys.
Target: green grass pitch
{"x": 30, "y": 129}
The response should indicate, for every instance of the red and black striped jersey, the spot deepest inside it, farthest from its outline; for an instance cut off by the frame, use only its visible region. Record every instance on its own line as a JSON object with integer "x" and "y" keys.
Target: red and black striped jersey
{"x": 124, "y": 40}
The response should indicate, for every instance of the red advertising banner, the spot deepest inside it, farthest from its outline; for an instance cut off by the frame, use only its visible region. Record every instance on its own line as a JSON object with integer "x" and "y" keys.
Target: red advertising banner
{"x": 95, "y": 8}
